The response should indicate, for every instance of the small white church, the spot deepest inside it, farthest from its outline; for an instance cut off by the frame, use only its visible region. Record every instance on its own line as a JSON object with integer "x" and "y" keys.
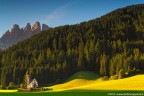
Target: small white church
{"x": 31, "y": 83}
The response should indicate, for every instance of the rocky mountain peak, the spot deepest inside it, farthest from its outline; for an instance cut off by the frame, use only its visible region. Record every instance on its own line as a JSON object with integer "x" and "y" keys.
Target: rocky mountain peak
{"x": 15, "y": 26}
{"x": 7, "y": 34}
{"x": 36, "y": 27}
{"x": 27, "y": 28}
{"x": 17, "y": 34}
{"x": 44, "y": 27}
{"x": 15, "y": 29}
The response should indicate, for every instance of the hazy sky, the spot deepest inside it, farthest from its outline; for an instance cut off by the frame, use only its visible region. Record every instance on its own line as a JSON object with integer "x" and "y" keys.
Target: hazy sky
{"x": 55, "y": 12}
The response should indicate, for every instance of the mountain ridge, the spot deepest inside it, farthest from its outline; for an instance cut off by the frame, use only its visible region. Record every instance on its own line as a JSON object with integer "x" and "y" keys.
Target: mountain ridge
{"x": 18, "y": 34}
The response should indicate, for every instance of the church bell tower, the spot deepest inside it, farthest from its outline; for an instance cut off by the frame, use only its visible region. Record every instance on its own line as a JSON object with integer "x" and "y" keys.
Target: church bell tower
{"x": 27, "y": 79}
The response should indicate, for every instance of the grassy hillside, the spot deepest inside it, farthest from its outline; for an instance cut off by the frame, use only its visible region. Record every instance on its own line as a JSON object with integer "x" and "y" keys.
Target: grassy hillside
{"x": 131, "y": 83}
{"x": 78, "y": 79}
{"x": 96, "y": 83}
{"x": 88, "y": 84}
{"x": 87, "y": 75}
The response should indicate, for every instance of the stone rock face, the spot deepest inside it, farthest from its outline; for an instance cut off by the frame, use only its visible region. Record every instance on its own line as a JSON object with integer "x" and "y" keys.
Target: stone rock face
{"x": 15, "y": 29}
{"x": 7, "y": 34}
{"x": 27, "y": 28}
{"x": 18, "y": 34}
{"x": 44, "y": 27}
{"x": 36, "y": 28}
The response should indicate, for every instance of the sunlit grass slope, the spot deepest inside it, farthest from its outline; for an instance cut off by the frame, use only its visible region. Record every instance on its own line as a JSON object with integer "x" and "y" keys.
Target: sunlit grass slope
{"x": 131, "y": 83}
{"x": 8, "y": 90}
{"x": 78, "y": 79}
{"x": 91, "y": 81}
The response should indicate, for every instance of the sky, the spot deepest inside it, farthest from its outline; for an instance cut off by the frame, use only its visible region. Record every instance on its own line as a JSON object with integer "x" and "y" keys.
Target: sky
{"x": 55, "y": 12}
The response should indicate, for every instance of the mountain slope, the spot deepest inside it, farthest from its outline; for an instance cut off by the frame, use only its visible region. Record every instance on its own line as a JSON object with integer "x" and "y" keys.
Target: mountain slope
{"x": 131, "y": 83}
{"x": 111, "y": 45}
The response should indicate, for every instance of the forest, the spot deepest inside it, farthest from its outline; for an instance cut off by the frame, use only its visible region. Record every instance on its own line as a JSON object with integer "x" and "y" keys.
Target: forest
{"x": 111, "y": 46}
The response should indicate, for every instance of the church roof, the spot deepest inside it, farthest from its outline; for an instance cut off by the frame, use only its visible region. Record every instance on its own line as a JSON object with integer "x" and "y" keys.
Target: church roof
{"x": 34, "y": 81}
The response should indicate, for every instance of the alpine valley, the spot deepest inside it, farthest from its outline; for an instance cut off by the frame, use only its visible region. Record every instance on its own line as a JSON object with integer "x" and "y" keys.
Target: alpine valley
{"x": 106, "y": 49}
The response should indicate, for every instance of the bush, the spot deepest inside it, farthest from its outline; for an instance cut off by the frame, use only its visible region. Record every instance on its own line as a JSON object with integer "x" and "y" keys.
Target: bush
{"x": 121, "y": 74}
{"x": 114, "y": 77}
{"x": 105, "y": 78}
{"x": 46, "y": 89}
{"x": 3, "y": 87}
{"x": 11, "y": 86}
{"x": 22, "y": 86}
{"x": 23, "y": 90}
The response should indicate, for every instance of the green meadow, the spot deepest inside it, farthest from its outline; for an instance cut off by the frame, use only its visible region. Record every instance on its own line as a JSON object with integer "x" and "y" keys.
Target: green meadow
{"x": 77, "y": 93}
{"x": 87, "y": 83}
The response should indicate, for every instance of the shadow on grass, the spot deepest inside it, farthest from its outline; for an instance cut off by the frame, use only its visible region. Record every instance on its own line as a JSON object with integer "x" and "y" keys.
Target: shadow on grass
{"x": 87, "y": 75}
